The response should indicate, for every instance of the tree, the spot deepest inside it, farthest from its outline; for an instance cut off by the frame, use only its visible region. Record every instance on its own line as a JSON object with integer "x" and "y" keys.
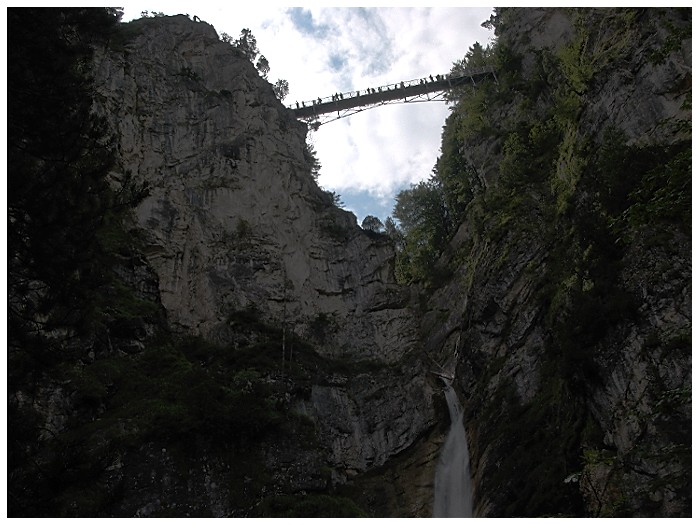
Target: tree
{"x": 247, "y": 44}
{"x": 372, "y": 224}
{"x": 422, "y": 208}
{"x": 392, "y": 230}
{"x": 58, "y": 203}
{"x": 263, "y": 66}
{"x": 281, "y": 89}
{"x": 477, "y": 57}
{"x": 312, "y": 158}
{"x": 425, "y": 225}
{"x": 58, "y": 157}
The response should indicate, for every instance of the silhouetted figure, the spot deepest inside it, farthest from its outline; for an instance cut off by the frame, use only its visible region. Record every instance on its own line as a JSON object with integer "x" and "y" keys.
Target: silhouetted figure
{"x": 297, "y": 105}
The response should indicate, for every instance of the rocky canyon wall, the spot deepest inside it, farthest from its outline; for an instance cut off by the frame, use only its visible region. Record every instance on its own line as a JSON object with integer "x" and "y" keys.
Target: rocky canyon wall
{"x": 234, "y": 225}
{"x": 572, "y": 320}
{"x": 244, "y": 348}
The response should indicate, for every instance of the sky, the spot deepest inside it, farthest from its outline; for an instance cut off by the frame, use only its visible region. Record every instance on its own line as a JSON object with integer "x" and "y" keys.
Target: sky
{"x": 369, "y": 157}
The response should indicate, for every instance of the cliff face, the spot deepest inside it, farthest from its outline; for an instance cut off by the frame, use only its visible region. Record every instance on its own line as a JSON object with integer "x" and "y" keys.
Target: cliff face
{"x": 236, "y": 229}
{"x": 253, "y": 354}
{"x": 569, "y": 297}
{"x": 234, "y": 219}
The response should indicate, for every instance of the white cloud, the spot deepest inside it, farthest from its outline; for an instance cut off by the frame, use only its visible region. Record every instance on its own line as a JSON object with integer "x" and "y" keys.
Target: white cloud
{"x": 321, "y": 51}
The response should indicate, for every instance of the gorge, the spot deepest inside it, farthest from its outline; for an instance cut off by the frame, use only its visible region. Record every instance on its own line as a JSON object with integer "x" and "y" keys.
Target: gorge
{"x": 195, "y": 329}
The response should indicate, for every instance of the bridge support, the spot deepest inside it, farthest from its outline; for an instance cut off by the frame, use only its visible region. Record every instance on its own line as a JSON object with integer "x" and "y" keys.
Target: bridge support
{"x": 419, "y": 90}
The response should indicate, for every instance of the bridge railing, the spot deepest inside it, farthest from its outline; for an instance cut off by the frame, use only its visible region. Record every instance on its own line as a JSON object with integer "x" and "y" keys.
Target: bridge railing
{"x": 430, "y": 79}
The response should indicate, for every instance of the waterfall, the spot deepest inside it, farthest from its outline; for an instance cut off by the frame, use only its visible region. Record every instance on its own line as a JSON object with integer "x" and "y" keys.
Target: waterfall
{"x": 453, "y": 487}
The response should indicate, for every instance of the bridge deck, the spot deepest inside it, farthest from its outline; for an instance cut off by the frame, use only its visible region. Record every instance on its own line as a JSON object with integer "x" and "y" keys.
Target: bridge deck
{"x": 352, "y": 99}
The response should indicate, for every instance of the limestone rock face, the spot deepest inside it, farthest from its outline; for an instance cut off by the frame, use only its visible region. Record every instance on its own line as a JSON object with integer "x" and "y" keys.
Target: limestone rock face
{"x": 235, "y": 222}
{"x": 234, "y": 225}
{"x": 527, "y": 390}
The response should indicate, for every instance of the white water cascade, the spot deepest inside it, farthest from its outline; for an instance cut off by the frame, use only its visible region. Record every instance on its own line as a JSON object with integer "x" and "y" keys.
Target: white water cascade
{"x": 453, "y": 487}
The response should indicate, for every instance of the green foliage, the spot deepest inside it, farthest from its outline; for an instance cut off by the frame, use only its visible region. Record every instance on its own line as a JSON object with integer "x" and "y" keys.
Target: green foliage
{"x": 66, "y": 232}
{"x": 246, "y": 44}
{"x": 569, "y": 166}
{"x": 468, "y": 120}
{"x": 603, "y": 36}
{"x": 262, "y": 65}
{"x": 425, "y": 226}
{"x": 58, "y": 157}
{"x": 372, "y": 224}
{"x": 175, "y": 394}
{"x": 311, "y": 158}
{"x": 476, "y": 57}
{"x": 70, "y": 258}
{"x": 281, "y": 89}
{"x": 586, "y": 203}
{"x": 529, "y": 153}
{"x": 664, "y": 194}
{"x": 577, "y": 68}
{"x": 456, "y": 176}
{"x": 646, "y": 185}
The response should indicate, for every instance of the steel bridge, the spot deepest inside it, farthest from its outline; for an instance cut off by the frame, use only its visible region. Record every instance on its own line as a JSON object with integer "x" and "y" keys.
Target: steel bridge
{"x": 324, "y": 110}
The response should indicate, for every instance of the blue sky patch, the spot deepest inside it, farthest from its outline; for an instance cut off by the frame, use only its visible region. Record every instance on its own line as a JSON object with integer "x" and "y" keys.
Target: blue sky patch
{"x": 363, "y": 203}
{"x": 304, "y": 22}
{"x": 337, "y": 62}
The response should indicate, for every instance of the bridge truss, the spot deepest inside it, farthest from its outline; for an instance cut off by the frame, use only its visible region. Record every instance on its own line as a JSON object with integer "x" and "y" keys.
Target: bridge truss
{"x": 324, "y": 110}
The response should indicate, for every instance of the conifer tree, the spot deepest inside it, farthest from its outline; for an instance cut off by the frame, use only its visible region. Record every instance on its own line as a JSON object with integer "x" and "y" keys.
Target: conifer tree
{"x": 58, "y": 156}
